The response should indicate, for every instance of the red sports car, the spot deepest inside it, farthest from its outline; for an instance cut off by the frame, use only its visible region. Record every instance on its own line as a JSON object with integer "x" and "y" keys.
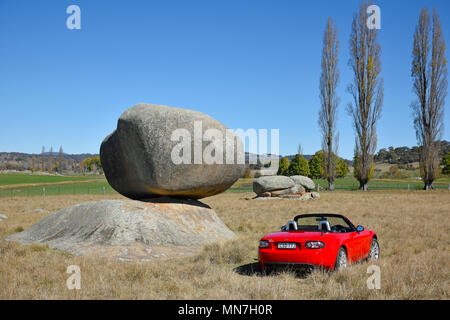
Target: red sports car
{"x": 317, "y": 240}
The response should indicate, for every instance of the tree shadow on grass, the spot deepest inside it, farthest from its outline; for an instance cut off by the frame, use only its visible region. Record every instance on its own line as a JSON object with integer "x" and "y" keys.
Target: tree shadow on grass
{"x": 253, "y": 269}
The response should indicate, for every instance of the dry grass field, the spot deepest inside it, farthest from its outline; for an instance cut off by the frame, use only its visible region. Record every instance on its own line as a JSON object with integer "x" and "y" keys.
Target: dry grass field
{"x": 412, "y": 228}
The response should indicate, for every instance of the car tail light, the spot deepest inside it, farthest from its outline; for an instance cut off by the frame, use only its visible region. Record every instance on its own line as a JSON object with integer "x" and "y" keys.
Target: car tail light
{"x": 263, "y": 244}
{"x": 314, "y": 245}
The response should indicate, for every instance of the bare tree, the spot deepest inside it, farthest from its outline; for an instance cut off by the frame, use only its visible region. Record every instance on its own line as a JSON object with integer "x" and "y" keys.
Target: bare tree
{"x": 367, "y": 92}
{"x": 60, "y": 162}
{"x": 33, "y": 165}
{"x": 43, "y": 159}
{"x": 299, "y": 149}
{"x": 429, "y": 74}
{"x": 329, "y": 101}
{"x": 50, "y": 160}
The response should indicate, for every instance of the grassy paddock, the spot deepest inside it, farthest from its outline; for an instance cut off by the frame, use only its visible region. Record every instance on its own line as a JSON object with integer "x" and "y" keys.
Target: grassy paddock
{"x": 411, "y": 227}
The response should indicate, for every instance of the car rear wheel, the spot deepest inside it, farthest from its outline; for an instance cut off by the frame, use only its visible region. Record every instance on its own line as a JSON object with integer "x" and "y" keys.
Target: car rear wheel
{"x": 341, "y": 259}
{"x": 374, "y": 252}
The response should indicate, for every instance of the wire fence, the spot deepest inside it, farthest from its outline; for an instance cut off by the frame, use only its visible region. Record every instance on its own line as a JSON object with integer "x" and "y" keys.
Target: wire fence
{"x": 103, "y": 188}
{"x": 322, "y": 185}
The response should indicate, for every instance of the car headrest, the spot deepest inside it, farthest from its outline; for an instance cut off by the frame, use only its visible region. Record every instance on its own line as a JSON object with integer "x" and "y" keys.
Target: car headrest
{"x": 291, "y": 225}
{"x": 324, "y": 225}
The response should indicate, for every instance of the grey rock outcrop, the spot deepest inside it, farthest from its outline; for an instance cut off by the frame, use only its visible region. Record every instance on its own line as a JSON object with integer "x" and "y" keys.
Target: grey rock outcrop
{"x": 3, "y": 217}
{"x": 285, "y": 187}
{"x": 129, "y": 230}
{"x": 271, "y": 183}
{"x": 306, "y": 182}
{"x": 137, "y": 156}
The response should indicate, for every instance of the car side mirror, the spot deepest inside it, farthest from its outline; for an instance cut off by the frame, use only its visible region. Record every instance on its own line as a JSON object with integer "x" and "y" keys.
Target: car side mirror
{"x": 359, "y": 228}
{"x": 283, "y": 228}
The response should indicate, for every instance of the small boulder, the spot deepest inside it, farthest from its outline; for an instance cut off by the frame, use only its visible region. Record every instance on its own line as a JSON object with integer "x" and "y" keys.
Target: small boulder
{"x": 38, "y": 211}
{"x": 295, "y": 190}
{"x": 3, "y": 217}
{"x": 306, "y": 196}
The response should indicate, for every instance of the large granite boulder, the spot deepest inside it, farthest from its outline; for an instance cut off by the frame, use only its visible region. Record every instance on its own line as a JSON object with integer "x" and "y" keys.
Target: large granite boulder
{"x": 138, "y": 157}
{"x": 129, "y": 230}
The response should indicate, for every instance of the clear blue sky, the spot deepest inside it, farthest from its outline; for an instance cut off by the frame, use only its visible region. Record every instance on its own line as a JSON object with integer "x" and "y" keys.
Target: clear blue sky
{"x": 249, "y": 64}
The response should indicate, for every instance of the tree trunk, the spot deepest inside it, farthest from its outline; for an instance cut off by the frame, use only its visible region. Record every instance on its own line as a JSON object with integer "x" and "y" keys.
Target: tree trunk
{"x": 331, "y": 185}
{"x": 428, "y": 185}
{"x": 363, "y": 185}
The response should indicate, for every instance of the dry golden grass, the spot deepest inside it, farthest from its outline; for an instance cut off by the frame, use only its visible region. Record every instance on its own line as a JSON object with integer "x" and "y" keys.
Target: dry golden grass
{"x": 412, "y": 228}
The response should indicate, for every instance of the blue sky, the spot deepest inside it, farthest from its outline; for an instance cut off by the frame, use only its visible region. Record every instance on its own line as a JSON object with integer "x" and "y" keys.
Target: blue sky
{"x": 249, "y": 64}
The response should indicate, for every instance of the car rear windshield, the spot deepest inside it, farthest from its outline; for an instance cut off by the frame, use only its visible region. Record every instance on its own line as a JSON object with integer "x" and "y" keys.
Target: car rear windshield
{"x": 312, "y": 223}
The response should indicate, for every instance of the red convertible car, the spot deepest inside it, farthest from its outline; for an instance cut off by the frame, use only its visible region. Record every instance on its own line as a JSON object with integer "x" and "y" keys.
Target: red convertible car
{"x": 323, "y": 240}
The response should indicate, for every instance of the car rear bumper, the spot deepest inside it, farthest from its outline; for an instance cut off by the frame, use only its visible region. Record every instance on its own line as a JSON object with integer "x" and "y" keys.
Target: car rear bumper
{"x": 295, "y": 258}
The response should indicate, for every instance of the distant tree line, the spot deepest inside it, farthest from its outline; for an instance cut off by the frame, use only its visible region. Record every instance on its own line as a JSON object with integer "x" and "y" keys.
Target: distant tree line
{"x": 51, "y": 162}
{"x": 314, "y": 168}
{"x": 405, "y": 155}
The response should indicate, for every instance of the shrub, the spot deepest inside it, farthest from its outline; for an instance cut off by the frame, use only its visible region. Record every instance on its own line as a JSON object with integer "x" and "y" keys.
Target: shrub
{"x": 283, "y": 166}
{"x": 299, "y": 166}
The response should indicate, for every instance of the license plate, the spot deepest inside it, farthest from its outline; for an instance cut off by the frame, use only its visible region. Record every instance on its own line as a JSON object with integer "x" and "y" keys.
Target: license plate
{"x": 286, "y": 245}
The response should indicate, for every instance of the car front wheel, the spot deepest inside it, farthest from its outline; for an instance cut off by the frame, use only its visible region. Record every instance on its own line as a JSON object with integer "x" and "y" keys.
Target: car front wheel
{"x": 341, "y": 260}
{"x": 374, "y": 252}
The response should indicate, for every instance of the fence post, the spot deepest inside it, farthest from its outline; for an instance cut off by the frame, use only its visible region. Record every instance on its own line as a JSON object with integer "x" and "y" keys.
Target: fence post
{"x": 408, "y": 186}
{"x": 449, "y": 186}
{"x": 318, "y": 187}
{"x": 103, "y": 190}
{"x": 43, "y": 191}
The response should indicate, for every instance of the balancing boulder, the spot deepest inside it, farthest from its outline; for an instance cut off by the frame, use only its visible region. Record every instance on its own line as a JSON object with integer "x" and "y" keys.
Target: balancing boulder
{"x": 138, "y": 157}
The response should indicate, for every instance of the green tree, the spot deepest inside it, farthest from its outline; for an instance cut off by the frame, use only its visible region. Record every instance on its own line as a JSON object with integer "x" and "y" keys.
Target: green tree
{"x": 90, "y": 164}
{"x": 283, "y": 166}
{"x": 298, "y": 166}
{"x": 316, "y": 165}
{"x": 446, "y": 162}
{"x": 341, "y": 169}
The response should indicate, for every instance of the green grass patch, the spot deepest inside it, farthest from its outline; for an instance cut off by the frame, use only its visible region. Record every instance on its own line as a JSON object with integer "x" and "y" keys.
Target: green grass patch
{"x": 97, "y": 187}
{"x": 17, "y": 178}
